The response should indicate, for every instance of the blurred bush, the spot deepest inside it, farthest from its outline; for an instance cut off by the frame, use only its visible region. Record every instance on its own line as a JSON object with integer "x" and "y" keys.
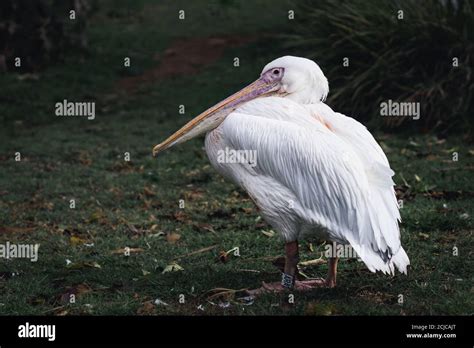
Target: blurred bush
{"x": 409, "y": 59}
{"x": 40, "y": 32}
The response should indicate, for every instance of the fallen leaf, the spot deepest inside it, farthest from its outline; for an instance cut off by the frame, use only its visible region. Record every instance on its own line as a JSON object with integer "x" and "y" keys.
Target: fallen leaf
{"x": 148, "y": 308}
{"x": 315, "y": 262}
{"x": 315, "y": 308}
{"x": 180, "y": 216}
{"x": 172, "y": 267}
{"x": 149, "y": 192}
{"x": 133, "y": 229}
{"x": 193, "y": 195}
{"x": 223, "y": 256}
{"x": 84, "y": 158}
{"x": 75, "y": 240}
{"x": 172, "y": 237}
{"x": 224, "y": 294}
{"x": 159, "y": 234}
{"x": 98, "y": 216}
{"x": 207, "y": 227}
{"x": 424, "y": 235}
{"x": 92, "y": 264}
{"x": 61, "y": 313}
{"x": 269, "y": 233}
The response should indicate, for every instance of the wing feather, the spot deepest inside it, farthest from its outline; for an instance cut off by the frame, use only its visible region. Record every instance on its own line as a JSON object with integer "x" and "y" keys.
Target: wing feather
{"x": 331, "y": 180}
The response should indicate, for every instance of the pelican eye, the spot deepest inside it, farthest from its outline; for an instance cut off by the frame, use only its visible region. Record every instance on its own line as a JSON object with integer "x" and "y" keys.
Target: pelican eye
{"x": 276, "y": 72}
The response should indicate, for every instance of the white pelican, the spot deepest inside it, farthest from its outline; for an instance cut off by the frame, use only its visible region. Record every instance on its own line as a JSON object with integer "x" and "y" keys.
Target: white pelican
{"x": 317, "y": 171}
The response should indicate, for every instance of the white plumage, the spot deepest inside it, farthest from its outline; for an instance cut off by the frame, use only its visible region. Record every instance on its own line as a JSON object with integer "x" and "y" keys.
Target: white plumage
{"x": 317, "y": 171}
{"x": 310, "y": 178}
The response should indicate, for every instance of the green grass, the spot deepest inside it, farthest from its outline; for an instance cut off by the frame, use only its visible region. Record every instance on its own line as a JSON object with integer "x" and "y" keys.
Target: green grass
{"x": 128, "y": 204}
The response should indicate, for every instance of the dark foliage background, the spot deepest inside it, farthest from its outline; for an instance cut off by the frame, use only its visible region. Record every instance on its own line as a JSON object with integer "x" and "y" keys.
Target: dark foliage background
{"x": 409, "y": 59}
{"x": 40, "y": 31}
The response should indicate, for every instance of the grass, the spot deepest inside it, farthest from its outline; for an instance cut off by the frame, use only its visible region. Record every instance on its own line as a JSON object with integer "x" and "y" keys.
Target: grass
{"x": 135, "y": 204}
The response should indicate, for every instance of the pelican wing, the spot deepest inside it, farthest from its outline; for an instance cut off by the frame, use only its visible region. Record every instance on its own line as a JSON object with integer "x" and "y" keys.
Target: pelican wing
{"x": 331, "y": 185}
{"x": 374, "y": 160}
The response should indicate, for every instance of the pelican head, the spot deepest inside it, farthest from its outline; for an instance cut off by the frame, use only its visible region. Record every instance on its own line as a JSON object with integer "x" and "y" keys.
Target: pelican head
{"x": 296, "y": 78}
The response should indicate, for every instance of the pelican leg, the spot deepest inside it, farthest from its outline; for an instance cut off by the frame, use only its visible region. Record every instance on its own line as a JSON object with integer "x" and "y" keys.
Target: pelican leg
{"x": 292, "y": 257}
{"x": 331, "y": 279}
{"x": 290, "y": 270}
{"x": 329, "y": 282}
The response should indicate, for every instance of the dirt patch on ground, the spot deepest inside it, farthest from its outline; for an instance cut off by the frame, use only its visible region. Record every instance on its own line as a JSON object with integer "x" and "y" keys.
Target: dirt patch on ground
{"x": 185, "y": 56}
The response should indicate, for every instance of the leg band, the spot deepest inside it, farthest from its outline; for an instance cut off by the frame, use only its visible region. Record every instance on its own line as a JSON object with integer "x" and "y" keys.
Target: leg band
{"x": 287, "y": 281}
